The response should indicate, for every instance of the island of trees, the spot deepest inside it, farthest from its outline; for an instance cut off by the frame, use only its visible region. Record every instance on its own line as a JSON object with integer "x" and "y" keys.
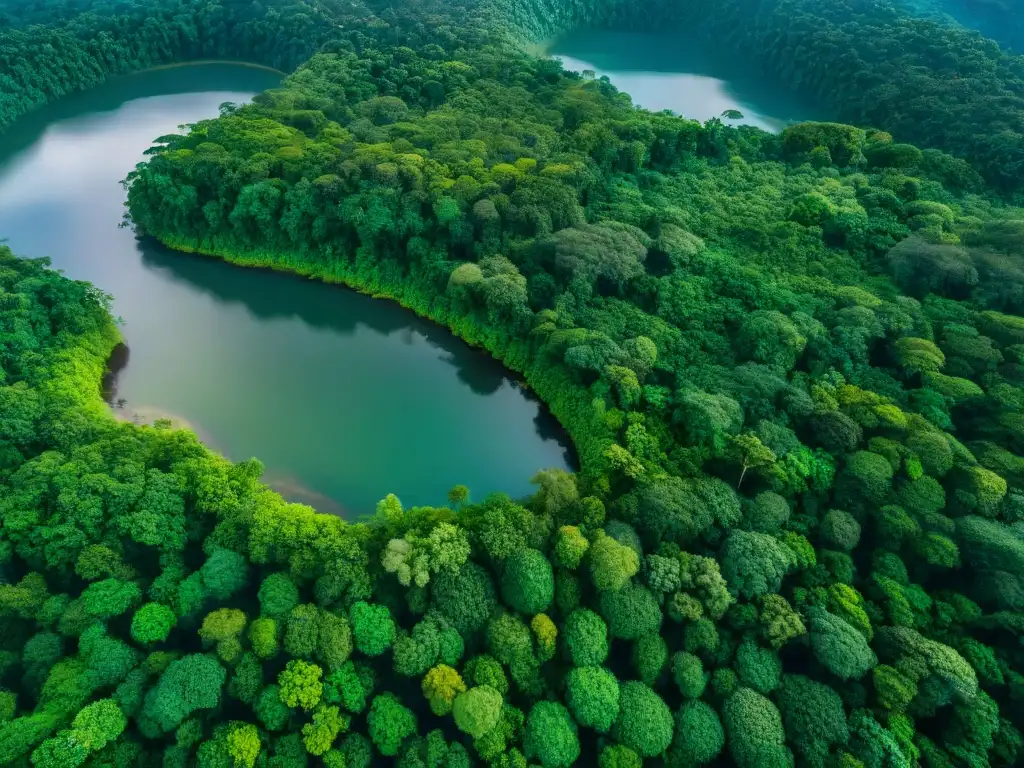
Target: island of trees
{"x": 792, "y": 365}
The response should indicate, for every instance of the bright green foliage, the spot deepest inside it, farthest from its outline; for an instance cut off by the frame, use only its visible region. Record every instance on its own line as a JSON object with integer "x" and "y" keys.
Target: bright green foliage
{"x": 263, "y": 637}
{"x": 699, "y": 736}
{"x": 441, "y": 685}
{"x": 650, "y": 655}
{"x": 152, "y": 623}
{"x": 570, "y": 547}
{"x": 631, "y": 612}
{"x": 98, "y": 724}
{"x": 477, "y": 710}
{"x": 612, "y": 564}
{"x": 545, "y": 634}
{"x": 779, "y": 622}
{"x": 389, "y": 724}
{"x": 805, "y": 318}
{"x": 528, "y": 583}
{"x": 300, "y": 685}
{"x": 110, "y": 597}
{"x": 222, "y": 628}
{"x": 372, "y": 628}
{"x": 644, "y": 723}
{"x": 350, "y": 686}
{"x": 60, "y": 751}
{"x": 592, "y": 694}
{"x": 243, "y": 744}
{"x": 688, "y": 674}
{"x": 754, "y": 728}
{"x": 551, "y": 736}
{"x": 319, "y": 734}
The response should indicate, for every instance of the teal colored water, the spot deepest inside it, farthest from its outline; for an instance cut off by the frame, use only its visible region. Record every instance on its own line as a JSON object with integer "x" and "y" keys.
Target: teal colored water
{"x": 692, "y": 78}
{"x": 344, "y": 398}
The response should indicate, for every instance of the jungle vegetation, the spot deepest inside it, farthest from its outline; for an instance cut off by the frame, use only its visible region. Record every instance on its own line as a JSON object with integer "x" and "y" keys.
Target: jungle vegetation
{"x": 792, "y": 365}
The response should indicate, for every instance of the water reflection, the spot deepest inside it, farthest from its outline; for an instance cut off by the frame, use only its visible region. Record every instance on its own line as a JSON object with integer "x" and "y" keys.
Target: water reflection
{"x": 674, "y": 70}
{"x": 272, "y": 295}
{"x": 341, "y": 396}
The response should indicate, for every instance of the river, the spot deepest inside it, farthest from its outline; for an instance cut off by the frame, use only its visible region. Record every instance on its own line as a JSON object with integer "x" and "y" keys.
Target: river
{"x": 344, "y": 398}
{"x": 670, "y": 70}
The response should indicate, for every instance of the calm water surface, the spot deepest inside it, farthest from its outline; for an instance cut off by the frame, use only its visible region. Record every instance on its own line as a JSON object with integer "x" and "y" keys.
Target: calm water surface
{"x": 343, "y": 397}
{"x": 692, "y": 78}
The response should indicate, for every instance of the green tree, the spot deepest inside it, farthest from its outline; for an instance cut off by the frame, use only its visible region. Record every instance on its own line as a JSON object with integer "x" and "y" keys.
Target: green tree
{"x": 699, "y": 735}
{"x": 477, "y": 710}
{"x": 754, "y": 728}
{"x": 528, "y": 583}
{"x": 389, "y": 724}
{"x": 592, "y": 694}
{"x": 278, "y": 595}
{"x": 840, "y": 648}
{"x": 612, "y": 565}
{"x": 644, "y": 723}
{"x": 372, "y": 628}
{"x": 190, "y": 683}
{"x": 440, "y": 686}
{"x": 551, "y": 735}
{"x": 813, "y": 716}
{"x": 98, "y": 724}
{"x": 299, "y": 684}
{"x": 152, "y": 623}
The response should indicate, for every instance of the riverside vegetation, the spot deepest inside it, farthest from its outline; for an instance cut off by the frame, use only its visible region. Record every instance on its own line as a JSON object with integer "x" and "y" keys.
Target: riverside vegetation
{"x": 792, "y": 365}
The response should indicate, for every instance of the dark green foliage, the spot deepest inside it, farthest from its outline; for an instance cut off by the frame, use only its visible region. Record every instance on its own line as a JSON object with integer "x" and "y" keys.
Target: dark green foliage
{"x": 813, "y": 715}
{"x": 528, "y": 583}
{"x": 191, "y": 683}
{"x": 278, "y": 595}
{"x": 699, "y": 736}
{"x": 631, "y": 612}
{"x": 465, "y": 598}
{"x": 840, "y": 648}
{"x": 754, "y": 729}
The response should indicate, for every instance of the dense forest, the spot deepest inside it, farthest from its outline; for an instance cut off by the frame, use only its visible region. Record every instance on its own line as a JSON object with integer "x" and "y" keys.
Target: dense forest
{"x": 792, "y": 365}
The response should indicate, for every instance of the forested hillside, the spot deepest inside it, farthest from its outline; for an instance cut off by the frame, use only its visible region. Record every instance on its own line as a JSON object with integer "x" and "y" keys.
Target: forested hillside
{"x": 792, "y": 365}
